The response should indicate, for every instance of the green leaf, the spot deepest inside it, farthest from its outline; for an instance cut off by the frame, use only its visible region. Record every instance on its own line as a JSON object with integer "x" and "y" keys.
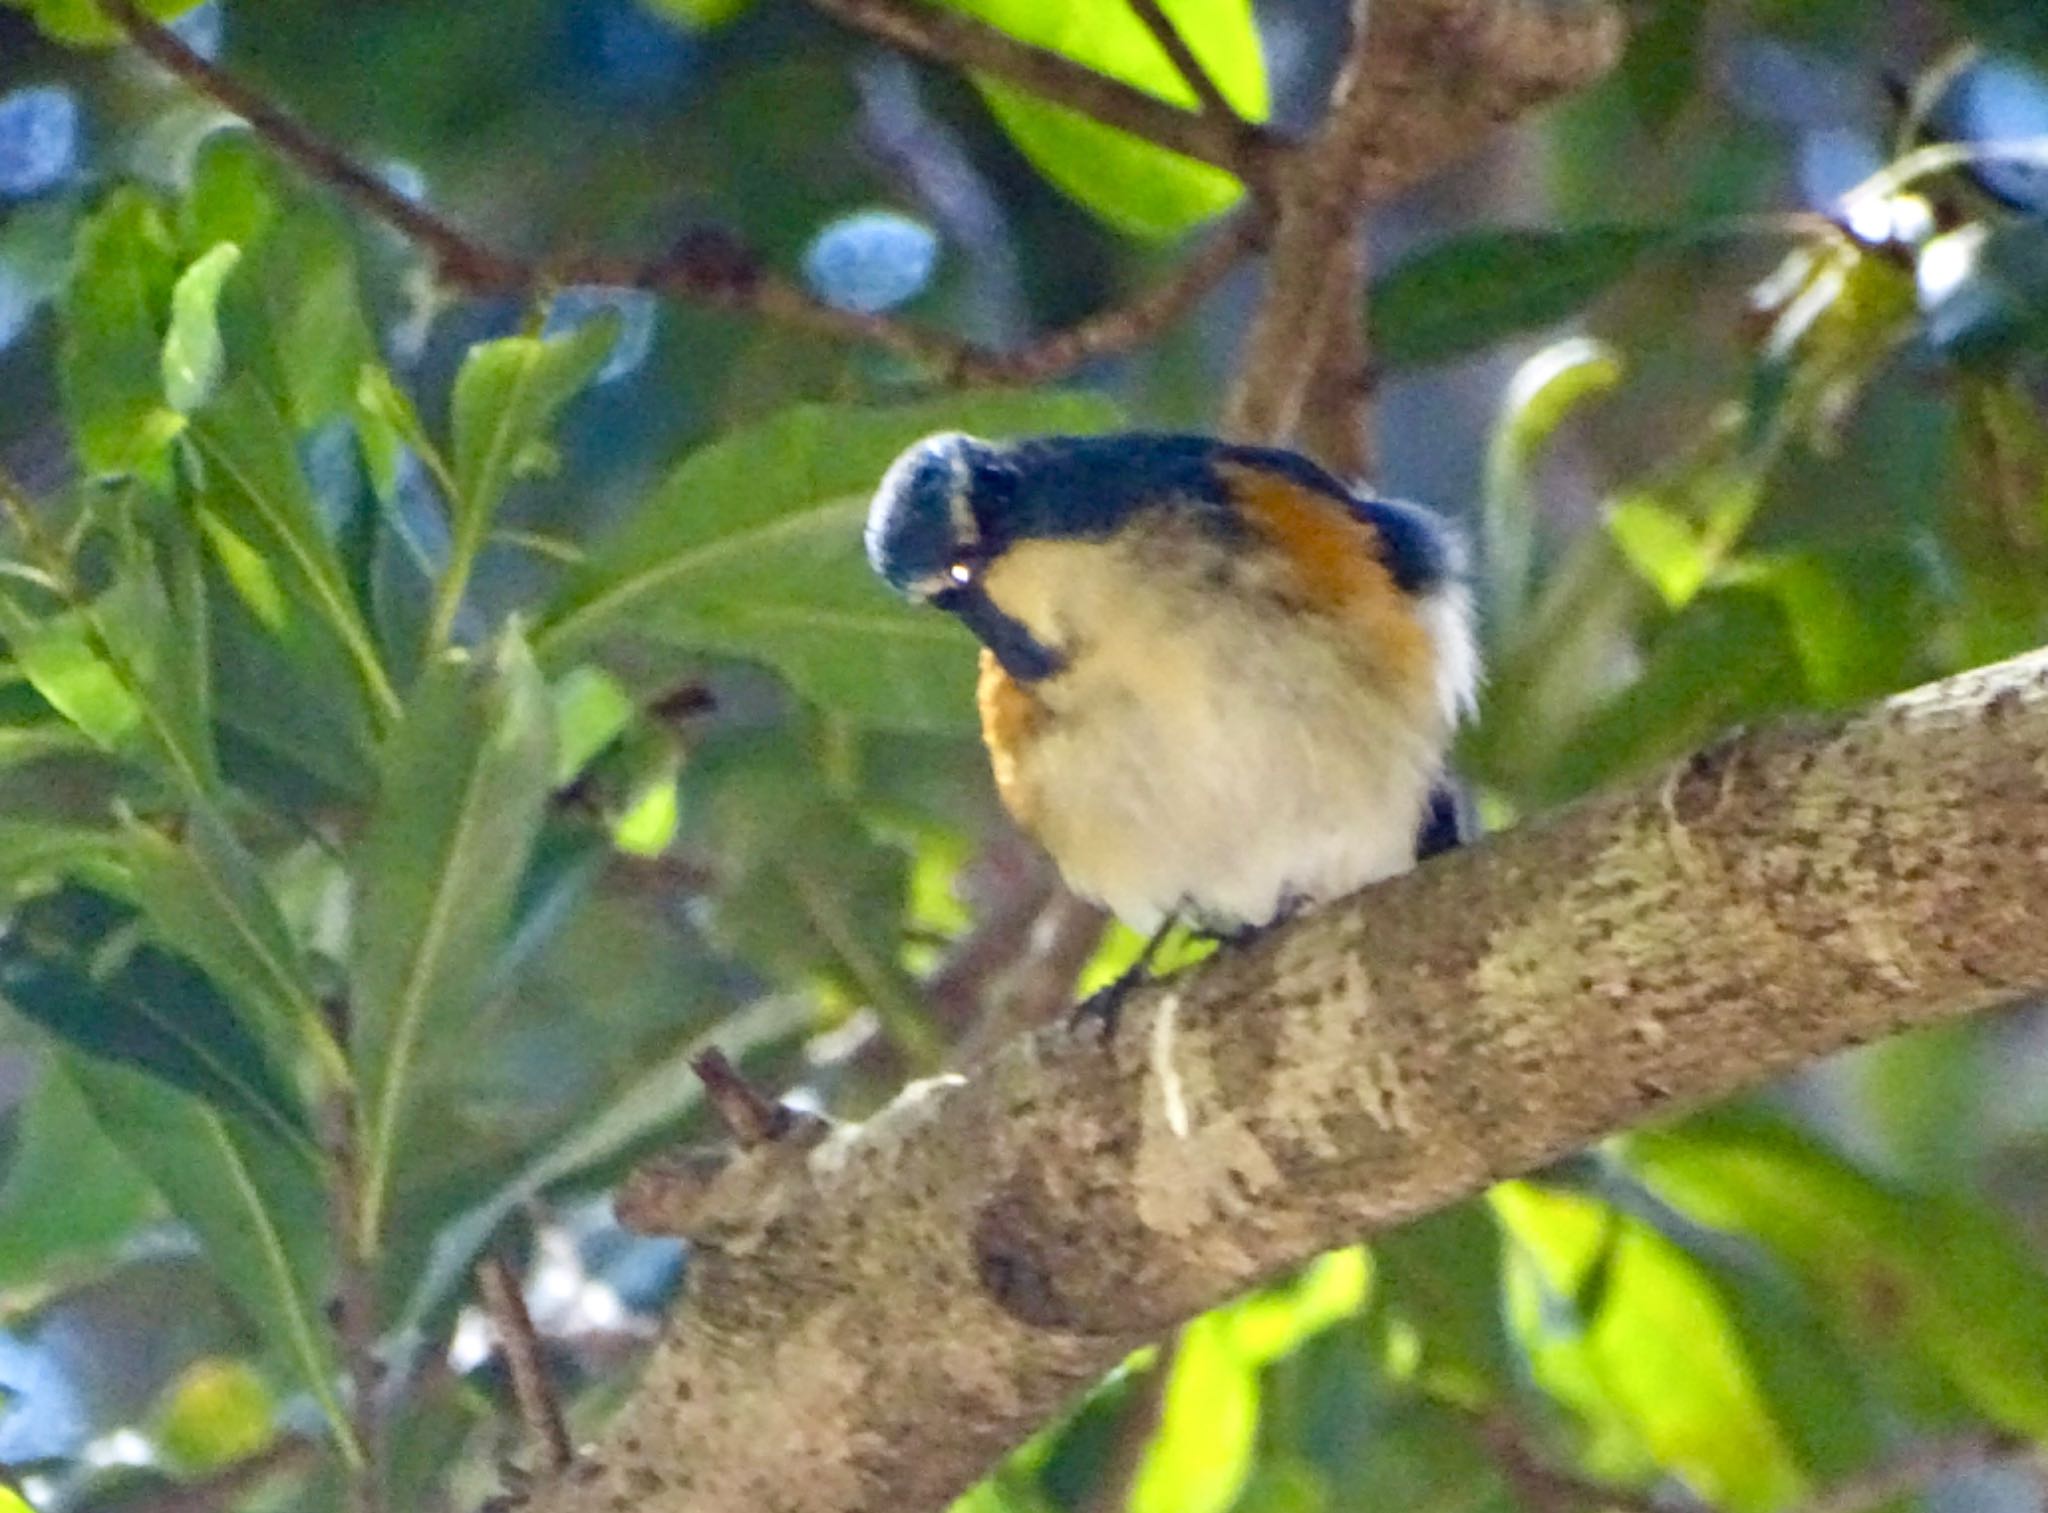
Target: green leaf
{"x": 82, "y": 21}
{"x": 155, "y": 1013}
{"x": 1467, "y": 294}
{"x": 192, "y": 354}
{"x": 206, "y": 898}
{"x": 234, "y": 194}
{"x": 292, "y": 314}
{"x": 506, "y": 397}
{"x": 70, "y": 1196}
{"x": 751, "y": 547}
{"x": 114, "y": 668}
{"x": 256, "y": 490}
{"x": 464, "y": 790}
{"x": 1541, "y": 397}
{"x": 1930, "y": 1282}
{"x": 115, "y": 310}
{"x": 1130, "y": 183}
{"x": 257, "y": 1205}
{"x": 1202, "y": 1455}
{"x": 1654, "y": 1364}
{"x": 1439, "y": 1277}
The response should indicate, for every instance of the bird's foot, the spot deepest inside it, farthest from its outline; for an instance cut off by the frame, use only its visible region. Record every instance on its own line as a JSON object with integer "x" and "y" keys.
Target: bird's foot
{"x": 1104, "y": 1007}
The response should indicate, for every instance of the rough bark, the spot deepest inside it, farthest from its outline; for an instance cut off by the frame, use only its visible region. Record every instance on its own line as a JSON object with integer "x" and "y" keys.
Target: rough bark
{"x": 871, "y": 1321}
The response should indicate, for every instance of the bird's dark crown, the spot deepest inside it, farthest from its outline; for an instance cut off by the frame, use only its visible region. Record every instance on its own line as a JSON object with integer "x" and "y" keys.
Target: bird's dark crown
{"x": 953, "y": 502}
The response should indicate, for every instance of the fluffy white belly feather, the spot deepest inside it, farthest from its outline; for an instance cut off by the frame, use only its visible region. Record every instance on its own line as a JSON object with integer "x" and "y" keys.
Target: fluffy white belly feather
{"x": 1222, "y": 756}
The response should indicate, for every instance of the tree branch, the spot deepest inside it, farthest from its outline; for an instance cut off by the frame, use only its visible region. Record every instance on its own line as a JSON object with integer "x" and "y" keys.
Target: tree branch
{"x": 954, "y": 38}
{"x": 1423, "y": 83}
{"x": 708, "y": 267}
{"x": 1197, "y": 78}
{"x": 870, "y": 1325}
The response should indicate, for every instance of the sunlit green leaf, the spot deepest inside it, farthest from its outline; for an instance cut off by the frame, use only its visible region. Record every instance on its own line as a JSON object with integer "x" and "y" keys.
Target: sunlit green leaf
{"x": 115, "y": 310}
{"x": 83, "y": 21}
{"x": 752, "y": 547}
{"x": 118, "y": 667}
{"x": 291, "y": 314}
{"x": 463, "y": 791}
{"x": 1928, "y": 1280}
{"x": 1128, "y": 182}
{"x": 192, "y": 354}
{"x": 1208, "y": 1423}
{"x": 1653, "y": 1363}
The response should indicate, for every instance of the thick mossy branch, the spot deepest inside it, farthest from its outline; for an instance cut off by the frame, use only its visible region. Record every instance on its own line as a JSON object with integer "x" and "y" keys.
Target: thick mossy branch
{"x": 872, "y": 1322}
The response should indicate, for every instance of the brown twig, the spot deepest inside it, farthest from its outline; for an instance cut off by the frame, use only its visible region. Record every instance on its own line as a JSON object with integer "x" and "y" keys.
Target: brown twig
{"x": 225, "y": 1487}
{"x": 711, "y": 267}
{"x": 1913, "y": 1468}
{"x": 953, "y": 38}
{"x": 1064, "y": 938}
{"x": 1540, "y": 1487}
{"x": 519, "y": 1344}
{"x": 1422, "y": 83}
{"x": 355, "y": 1308}
{"x": 1213, "y": 101}
{"x": 749, "y": 1115}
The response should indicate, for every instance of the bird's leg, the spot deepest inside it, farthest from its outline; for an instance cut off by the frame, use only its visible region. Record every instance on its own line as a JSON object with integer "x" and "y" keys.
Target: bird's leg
{"x": 1104, "y": 1005}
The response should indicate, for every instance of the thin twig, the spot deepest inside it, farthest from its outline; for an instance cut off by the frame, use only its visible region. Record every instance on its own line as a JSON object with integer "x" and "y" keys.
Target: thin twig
{"x": 519, "y": 1344}
{"x": 1540, "y": 1487}
{"x": 707, "y": 267}
{"x": 1126, "y": 327}
{"x": 750, "y": 1116}
{"x": 1214, "y": 104}
{"x": 225, "y": 1487}
{"x": 1064, "y": 939}
{"x": 1915, "y": 1467}
{"x": 954, "y": 38}
{"x": 1420, "y": 87}
{"x": 355, "y": 1309}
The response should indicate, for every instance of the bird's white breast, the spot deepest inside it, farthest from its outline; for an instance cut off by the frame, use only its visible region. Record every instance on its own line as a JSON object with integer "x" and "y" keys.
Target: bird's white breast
{"x": 1219, "y": 752}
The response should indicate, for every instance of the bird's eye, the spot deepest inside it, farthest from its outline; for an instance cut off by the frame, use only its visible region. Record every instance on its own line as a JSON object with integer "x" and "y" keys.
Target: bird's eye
{"x": 961, "y": 573}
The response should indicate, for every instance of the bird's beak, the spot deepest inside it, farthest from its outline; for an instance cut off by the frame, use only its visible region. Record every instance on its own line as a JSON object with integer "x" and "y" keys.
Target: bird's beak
{"x": 1022, "y": 655}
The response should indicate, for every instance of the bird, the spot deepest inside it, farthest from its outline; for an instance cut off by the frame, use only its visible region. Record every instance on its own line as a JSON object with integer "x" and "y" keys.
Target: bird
{"x": 1217, "y": 685}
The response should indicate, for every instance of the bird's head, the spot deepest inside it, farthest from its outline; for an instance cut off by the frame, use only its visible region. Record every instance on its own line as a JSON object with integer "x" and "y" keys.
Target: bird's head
{"x": 1043, "y": 546}
{"x": 952, "y": 508}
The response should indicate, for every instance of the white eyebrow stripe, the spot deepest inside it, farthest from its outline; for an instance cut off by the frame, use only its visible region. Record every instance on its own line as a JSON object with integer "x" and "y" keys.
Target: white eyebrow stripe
{"x": 959, "y": 511}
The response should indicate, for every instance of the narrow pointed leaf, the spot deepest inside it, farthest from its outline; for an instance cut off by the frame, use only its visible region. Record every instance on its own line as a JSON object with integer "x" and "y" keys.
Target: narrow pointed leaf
{"x": 463, "y": 795}
{"x": 255, "y": 487}
{"x": 256, "y": 1204}
{"x": 751, "y": 547}
{"x": 506, "y": 398}
{"x": 205, "y": 897}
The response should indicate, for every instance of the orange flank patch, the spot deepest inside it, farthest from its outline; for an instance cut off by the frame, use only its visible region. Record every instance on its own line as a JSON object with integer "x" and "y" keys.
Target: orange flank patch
{"x": 1009, "y": 719}
{"x": 1336, "y": 560}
